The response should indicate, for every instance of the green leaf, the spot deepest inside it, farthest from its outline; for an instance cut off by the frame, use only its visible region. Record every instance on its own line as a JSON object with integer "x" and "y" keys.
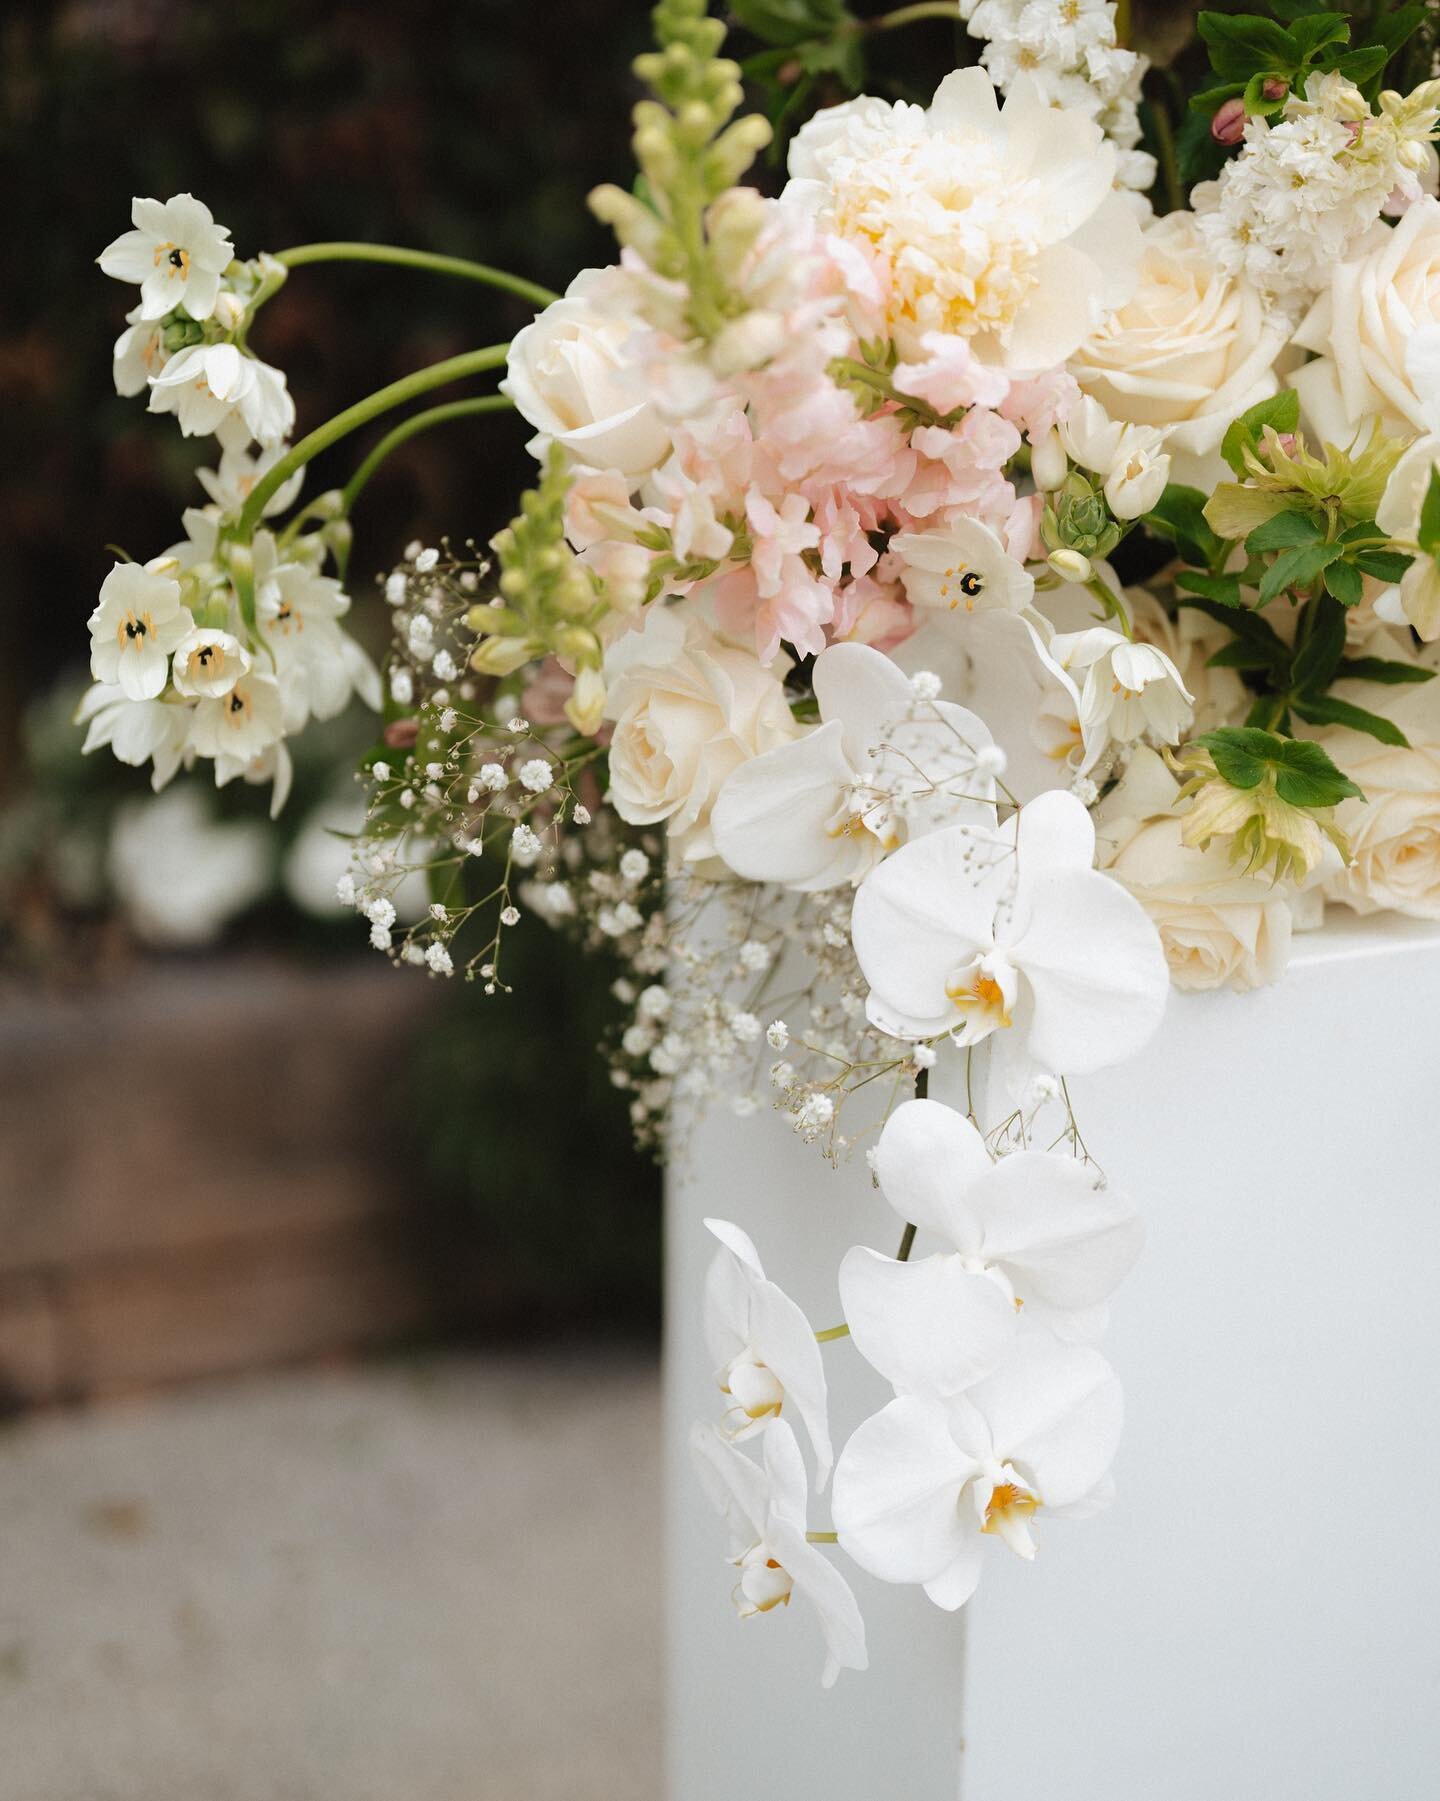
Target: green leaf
{"x": 1179, "y": 517}
{"x": 1304, "y": 774}
{"x": 1381, "y": 669}
{"x": 1296, "y": 568}
{"x": 1359, "y": 65}
{"x": 1327, "y": 709}
{"x": 1222, "y": 588}
{"x": 1344, "y": 581}
{"x": 1394, "y": 31}
{"x": 1213, "y": 99}
{"x": 789, "y": 22}
{"x": 1428, "y": 535}
{"x": 1318, "y": 658}
{"x": 1283, "y": 532}
{"x": 1257, "y": 106}
{"x": 1240, "y": 43}
{"x": 1239, "y": 654}
{"x": 1315, "y": 30}
{"x": 1384, "y": 565}
{"x": 1281, "y": 412}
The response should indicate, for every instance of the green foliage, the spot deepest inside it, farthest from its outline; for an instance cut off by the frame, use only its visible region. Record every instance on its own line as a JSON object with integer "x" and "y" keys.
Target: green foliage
{"x": 1329, "y": 709}
{"x": 1428, "y": 535}
{"x": 787, "y": 23}
{"x": 1296, "y": 568}
{"x": 1265, "y": 59}
{"x": 1303, "y": 774}
{"x": 1179, "y": 518}
{"x": 1281, "y": 412}
{"x": 1381, "y": 669}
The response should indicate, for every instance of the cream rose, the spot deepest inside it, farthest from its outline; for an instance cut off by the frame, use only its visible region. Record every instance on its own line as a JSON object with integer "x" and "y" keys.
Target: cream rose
{"x": 688, "y": 709}
{"x": 1189, "y": 350}
{"x": 1395, "y": 831}
{"x": 1362, "y": 327}
{"x": 1219, "y": 927}
{"x": 570, "y": 375}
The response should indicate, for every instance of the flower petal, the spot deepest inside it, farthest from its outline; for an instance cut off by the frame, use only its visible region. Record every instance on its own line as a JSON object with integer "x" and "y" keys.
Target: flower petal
{"x": 1062, "y": 1241}
{"x": 929, "y": 1327}
{"x": 771, "y": 820}
{"x": 927, "y": 1159}
{"x": 897, "y": 1485}
{"x": 1054, "y": 1410}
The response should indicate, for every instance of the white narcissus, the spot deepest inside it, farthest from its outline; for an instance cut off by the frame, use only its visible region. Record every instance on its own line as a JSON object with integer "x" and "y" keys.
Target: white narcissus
{"x": 764, "y": 1507}
{"x": 208, "y": 663}
{"x": 1130, "y": 460}
{"x": 176, "y": 254}
{"x": 298, "y": 613}
{"x": 766, "y": 1356}
{"x": 139, "y": 354}
{"x": 1127, "y": 690}
{"x": 230, "y": 482}
{"x": 241, "y": 724}
{"x": 139, "y": 620}
{"x": 138, "y": 731}
{"x": 217, "y": 388}
{"x": 881, "y": 766}
{"x": 961, "y": 567}
{"x": 923, "y": 1483}
{"x": 975, "y": 931}
{"x": 1030, "y": 1232}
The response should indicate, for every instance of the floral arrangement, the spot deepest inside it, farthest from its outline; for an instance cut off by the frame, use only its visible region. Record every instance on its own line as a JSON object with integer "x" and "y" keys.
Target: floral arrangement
{"x": 965, "y": 594}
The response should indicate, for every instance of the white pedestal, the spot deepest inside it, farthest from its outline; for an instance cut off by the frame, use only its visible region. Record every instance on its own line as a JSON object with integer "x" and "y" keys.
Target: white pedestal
{"x": 1258, "y": 1615}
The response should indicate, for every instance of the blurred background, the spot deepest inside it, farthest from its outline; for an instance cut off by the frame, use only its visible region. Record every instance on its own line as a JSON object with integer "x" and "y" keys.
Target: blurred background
{"x": 328, "y": 1294}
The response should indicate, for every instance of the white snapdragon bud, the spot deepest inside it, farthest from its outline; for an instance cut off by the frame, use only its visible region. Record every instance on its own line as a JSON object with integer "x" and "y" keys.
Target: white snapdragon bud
{"x": 438, "y": 959}
{"x": 229, "y": 311}
{"x": 492, "y": 776}
{"x": 634, "y": 866}
{"x": 395, "y": 587}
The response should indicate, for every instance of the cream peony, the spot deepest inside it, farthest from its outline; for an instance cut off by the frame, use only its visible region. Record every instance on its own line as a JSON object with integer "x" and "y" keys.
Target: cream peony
{"x": 1219, "y": 927}
{"x": 1395, "y": 831}
{"x": 570, "y": 374}
{"x": 1362, "y": 325}
{"x": 996, "y": 225}
{"x": 688, "y": 709}
{"x": 1189, "y": 350}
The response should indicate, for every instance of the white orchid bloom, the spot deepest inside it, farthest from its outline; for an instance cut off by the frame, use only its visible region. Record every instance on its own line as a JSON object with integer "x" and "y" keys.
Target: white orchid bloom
{"x": 765, "y": 1510}
{"x": 976, "y": 931}
{"x": 766, "y": 1355}
{"x": 139, "y": 620}
{"x": 962, "y": 567}
{"x": 881, "y": 767}
{"x": 1031, "y": 1231}
{"x": 176, "y": 254}
{"x": 923, "y": 1483}
{"x": 138, "y": 731}
{"x": 1127, "y": 691}
{"x": 319, "y": 665}
{"x": 208, "y": 663}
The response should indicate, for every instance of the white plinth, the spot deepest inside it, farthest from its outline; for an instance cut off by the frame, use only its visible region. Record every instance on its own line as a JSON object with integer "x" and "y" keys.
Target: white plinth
{"x": 1257, "y": 1618}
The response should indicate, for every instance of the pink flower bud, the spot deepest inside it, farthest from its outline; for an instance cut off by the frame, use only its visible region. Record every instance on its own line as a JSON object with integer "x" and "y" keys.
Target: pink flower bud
{"x": 1275, "y": 89}
{"x": 400, "y": 734}
{"x": 1228, "y": 125}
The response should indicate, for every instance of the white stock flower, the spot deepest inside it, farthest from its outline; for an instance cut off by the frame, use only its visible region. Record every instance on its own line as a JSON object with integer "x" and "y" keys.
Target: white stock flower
{"x": 766, "y": 1356}
{"x": 1130, "y": 460}
{"x": 961, "y": 567}
{"x": 996, "y": 225}
{"x": 176, "y": 255}
{"x": 1189, "y": 351}
{"x": 138, "y": 731}
{"x": 298, "y": 613}
{"x": 211, "y": 387}
{"x": 572, "y": 374}
{"x": 823, "y": 809}
{"x": 208, "y": 663}
{"x": 1362, "y": 326}
{"x": 765, "y": 1507}
{"x": 1030, "y": 1231}
{"x": 139, "y": 620}
{"x": 688, "y": 709}
{"x": 975, "y": 932}
{"x": 923, "y": 1483}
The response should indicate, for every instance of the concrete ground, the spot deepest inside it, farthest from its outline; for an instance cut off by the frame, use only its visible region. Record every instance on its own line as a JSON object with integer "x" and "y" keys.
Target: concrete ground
{"x": 428, "y": 1581}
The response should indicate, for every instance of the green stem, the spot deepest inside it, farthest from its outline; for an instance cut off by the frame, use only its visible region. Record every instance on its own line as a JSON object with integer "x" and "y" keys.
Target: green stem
{"x": 383, "y": 400}
{"x": 1165, "y": 152}
{"x": 907, "y": 1237}
{"x": 1114, "y": 608}
{"x": 409, "y": 428}
{"x": 348, "y": 252}
{"x": 831, "y": 1333}
{"x": 822, "y": 1538}
{"x": 907, "y": 15}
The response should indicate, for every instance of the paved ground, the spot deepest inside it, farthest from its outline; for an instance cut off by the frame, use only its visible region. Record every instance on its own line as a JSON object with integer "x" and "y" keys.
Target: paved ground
{"x": 414, "y": 1582}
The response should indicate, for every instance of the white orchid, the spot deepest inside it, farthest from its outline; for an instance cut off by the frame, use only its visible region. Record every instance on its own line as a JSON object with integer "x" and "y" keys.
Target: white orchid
{"x": 880, "y": 767}
{"x": 138, "y": 731}
{"x": 139, "y": 620}
{"x": 1030, "y": 1232}
{"x": 208, "y": 663}
{"x": 176, "y": 254}
{"x": 961, "y": 567}
{"x": 923, "y": 1483}
{"x": 1125, "y": 691}
{"x": 765, "y": 1507}
{"x": 973, "y": 931}
{"x": 765, "y": 1352}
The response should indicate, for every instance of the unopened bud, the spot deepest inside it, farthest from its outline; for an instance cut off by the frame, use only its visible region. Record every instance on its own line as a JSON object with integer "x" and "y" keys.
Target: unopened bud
{"x": 503, "y": 656}
{"x": 401, "y": 734}
{"x": 1273, "y": 88}
{"x": 586, "y": 705}
{"x": 1070, "y": 565}
{"x": 1228, "y": 125}
{"x": 229, "y": 311}
{"x": 1048, "y": 462}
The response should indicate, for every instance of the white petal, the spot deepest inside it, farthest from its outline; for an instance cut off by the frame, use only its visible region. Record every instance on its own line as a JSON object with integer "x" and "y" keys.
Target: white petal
{"x": 927, "y": 1159}
{"x": 784, "y": 1341}
{"x": 956, "y": 1583}
{"x": 1055, "y": 1411}
{"x": 1054, "y": 831}
{"x": 865, "y": 692}
{"x": 736, "y": 1486}
{"x": 1061, "y": 1241}
{"x": 771, "y": 820}
{"x": 897, "y": 1486}
{"x": 929, "y": 1327}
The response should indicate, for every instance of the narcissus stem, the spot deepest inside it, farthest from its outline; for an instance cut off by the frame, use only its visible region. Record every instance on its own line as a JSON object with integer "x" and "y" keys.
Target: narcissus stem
{"x": 347, "y": 252}
{"x": 412, "y": 427}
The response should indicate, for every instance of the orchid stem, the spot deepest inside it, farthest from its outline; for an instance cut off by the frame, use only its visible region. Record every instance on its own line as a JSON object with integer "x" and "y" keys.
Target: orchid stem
{"x": 907, "y": 1238}
{"x": 412, "y": 427}
{"x": 348, "y": 252}
{"x": 383, "y": 400}
{"x": 831, "y": 1333}
{"x": 822, "y": 1538}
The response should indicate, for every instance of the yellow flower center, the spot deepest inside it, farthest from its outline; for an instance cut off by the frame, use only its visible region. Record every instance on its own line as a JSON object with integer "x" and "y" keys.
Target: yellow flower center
{"x": 1008, "y": 1502}
{"x": 134, "y": 629}
{"x": 178, "y": 259}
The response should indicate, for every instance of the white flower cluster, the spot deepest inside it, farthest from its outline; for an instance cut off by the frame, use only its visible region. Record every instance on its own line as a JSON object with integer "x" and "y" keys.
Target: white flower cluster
{"x": 1069, "y": 49}
{"x": 1302, "y": 193}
